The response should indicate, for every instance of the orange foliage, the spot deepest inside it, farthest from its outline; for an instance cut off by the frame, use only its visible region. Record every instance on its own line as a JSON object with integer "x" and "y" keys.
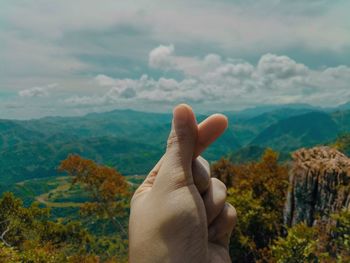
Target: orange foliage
{"x": 108, "y": 188}
{"x": 104, "y": 182}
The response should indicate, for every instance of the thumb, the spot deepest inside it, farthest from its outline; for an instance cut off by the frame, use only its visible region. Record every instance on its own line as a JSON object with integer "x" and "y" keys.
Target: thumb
{"x": 176, "y": 168}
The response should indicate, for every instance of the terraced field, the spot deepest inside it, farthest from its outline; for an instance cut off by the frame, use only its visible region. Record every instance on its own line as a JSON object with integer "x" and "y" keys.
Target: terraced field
{"x": 57, "y": 192}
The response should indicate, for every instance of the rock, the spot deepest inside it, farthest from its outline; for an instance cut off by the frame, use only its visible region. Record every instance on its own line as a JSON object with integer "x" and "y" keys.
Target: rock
{"x": 319, "y": 185}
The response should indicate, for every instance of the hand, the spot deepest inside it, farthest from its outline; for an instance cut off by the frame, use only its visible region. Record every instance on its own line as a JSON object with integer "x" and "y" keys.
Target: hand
{"x": 179, "y": 213}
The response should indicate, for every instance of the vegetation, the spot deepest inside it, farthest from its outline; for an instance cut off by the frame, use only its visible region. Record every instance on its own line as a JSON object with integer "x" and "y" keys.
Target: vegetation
{"x": 325, "y": 242}
{"x": 299, "y": 131}
{"x": 258, "y": 191}
{"x": 343, "y": 143}
{"x": 77, "y": 210}
{"x": 30, "y": 234}
{"x": 108, "y": 189}
{"x": 121, "y": 139}
{"x": 98, "y": 232}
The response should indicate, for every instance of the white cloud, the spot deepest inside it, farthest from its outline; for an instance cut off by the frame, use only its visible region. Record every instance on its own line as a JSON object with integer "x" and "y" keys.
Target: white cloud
{"x": 280, "y": 66}
{"x": 104, "y": 80}
{"x": 37, "y": 91}
{"x": 212, "y": 60}
{"x": 161, "y": 57}
{"x": 84, "y": 100}
{"x": 213, "y": 80}
{"x": 44, "y": 42}
{"x": 33, "y": 92}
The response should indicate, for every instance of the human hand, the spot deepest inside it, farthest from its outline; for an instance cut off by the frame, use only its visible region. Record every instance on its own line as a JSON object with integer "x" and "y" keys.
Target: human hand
{"x": 179, "y": 213}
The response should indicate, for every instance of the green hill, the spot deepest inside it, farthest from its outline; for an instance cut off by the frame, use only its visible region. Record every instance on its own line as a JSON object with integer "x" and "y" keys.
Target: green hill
{"x": 132, "y": 141}
{"x": 128, "y": 140}
{"x": 246, "y": 129}
{"x": 12, "y": 133}
{"x": 298, "y": 131}
{"x": 342, "y": 119}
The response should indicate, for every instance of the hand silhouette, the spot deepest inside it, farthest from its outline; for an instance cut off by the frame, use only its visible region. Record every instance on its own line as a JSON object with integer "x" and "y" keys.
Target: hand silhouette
{"x": 179, "y": 213}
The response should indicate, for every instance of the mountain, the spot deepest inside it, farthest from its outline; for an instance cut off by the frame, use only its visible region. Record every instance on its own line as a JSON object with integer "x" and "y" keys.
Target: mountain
{"x": 298, "y": 131}
{"x": 128, "y": 140}
{"x": 345, "y": 106}
{"x": 258, "y": 110}
{"x": 12, "y": 133}
{"x": 253, "y": 153}
{"x": 132, "y": 141}
{"x": 35, "y": 160}
{"x": 246, "y": 129}
{"x": 342, "y": 119}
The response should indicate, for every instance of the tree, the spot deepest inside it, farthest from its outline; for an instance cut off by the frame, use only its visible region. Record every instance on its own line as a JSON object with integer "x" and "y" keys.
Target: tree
{"x": 108, "y": 189}
{"x": 224, "y": 170}
{"x": 29, "y": 236}
{"x": 327, "y": 241}
{"x": 298, "y": 246}
{"x": 258, "y": 192}
{"x": 339, "y": 235}
{"x": 342, "y": 143}
{"x": 107, "y": 209}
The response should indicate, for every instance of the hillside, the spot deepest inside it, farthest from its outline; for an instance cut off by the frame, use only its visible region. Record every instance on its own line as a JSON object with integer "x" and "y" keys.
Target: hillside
{"x": 246, "y": 129}
{"x": 128, "y": 140}
{"x": 132, "y": 141}
{"x": 342, "y": 119}
{"x": 298, "y": 131}
{"x": 35, "y": 160}
{"x": 12, "y": 133}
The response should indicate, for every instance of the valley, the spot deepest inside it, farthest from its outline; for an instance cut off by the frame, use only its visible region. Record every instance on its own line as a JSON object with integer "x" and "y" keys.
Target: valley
{"x": 132, "y": 141}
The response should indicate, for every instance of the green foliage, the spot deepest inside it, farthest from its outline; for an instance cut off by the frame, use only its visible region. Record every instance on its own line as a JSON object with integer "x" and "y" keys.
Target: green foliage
{"x": 258, "y": 193}
{"x": 107, "y": 188}
{"x": 327, "y": 241}
{"x": 298, "y": 246}
{"x": 343, "y": 143}
{"x": 341, "y": 235}
{"x": 106, "y": 211}
{"x": 27, "y": 235}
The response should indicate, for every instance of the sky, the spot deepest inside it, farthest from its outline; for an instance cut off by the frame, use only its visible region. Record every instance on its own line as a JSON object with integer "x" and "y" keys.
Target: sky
{"x": 71, "y": 57}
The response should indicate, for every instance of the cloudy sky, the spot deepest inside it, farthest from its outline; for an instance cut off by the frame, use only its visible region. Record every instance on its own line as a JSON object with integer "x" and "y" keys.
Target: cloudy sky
{"x": 70, "y": 57}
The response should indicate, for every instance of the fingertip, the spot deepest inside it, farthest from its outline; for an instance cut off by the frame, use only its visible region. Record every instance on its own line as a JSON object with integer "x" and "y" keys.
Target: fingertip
{"x": 209, "y": 130}
{"x": 182, "y": 115}
{"x": 182, "y": 107}
{"x": 222, "y": 119}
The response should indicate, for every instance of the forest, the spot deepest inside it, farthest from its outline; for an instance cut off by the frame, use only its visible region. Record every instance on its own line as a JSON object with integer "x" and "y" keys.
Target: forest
{"x": 97, "y": 230}
{"x": 67, "y": 183}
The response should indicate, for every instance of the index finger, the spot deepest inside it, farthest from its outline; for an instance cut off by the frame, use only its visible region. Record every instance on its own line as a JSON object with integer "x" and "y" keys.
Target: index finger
{"x": 208, "y": 131}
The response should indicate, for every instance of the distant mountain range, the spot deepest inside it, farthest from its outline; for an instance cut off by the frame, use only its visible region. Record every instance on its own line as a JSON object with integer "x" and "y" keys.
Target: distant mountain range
{"x": 132, "y": 141}
{"x": 303, "y": 130}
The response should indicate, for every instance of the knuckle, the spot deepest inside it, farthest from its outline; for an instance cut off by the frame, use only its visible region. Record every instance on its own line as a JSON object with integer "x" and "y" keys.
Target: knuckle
{"x": 205, "y": 163}
{"x": 219, "y": 184}
{"x": 175, "y": 139}
{"x": 231, "y": 212}
{"x": 201, "y": 177}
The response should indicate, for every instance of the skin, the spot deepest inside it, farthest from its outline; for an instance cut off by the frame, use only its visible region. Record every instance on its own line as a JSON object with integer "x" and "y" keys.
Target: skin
{"x": 179, "y": 213}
